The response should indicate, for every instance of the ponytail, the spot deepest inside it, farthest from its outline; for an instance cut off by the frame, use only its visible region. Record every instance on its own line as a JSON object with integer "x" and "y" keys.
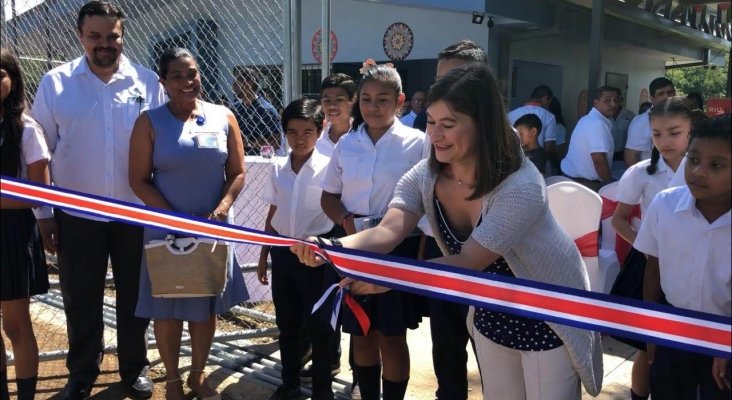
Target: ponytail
{"x": 653, "y": 166}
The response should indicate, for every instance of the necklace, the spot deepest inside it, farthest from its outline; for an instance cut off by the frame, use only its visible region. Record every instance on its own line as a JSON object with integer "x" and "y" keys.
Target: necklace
{"x": 461, "y": 183}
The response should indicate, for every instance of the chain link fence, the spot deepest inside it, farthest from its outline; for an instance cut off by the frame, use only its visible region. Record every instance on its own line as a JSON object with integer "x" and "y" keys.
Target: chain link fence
{"x": 226, "y": 37}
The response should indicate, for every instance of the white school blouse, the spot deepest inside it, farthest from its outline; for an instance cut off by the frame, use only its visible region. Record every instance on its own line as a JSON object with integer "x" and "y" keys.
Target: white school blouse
{"x": 591, "y": 135}
{"x": 88, "y": 123}
{"x": 694, "y": 256}
{"x": 639, "y": 135}
{"x": 33, "y": 148}
{"x": 297, "y": 197}
{"x": 324, "y": 145}
{"x": 365, "y": 174}
{"x": 638, "y": 187}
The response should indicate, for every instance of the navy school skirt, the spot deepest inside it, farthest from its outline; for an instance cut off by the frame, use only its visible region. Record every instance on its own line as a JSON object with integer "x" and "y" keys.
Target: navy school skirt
{"x": 393, "y": 312}
{"x": 23, "y": 270}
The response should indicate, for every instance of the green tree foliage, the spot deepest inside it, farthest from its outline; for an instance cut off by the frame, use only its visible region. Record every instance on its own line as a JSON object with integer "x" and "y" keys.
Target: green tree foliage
{"x": 710, "y": 82}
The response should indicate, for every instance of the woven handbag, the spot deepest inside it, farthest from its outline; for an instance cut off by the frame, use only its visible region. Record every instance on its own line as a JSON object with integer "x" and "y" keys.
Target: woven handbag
{"x": 186, "y": 267}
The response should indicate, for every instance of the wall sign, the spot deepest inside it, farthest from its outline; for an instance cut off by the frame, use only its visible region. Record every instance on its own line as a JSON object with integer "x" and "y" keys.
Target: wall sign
{"x": 398, "y": 41}
{"x": 316, "y": 46}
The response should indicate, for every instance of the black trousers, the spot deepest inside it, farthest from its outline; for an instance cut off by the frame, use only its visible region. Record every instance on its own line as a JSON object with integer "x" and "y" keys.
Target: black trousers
{"x": 450, "y": 338}
{"x": 676, "y": 375}
{"x": 85, "y": 246}
{"x": 295, "y": 288}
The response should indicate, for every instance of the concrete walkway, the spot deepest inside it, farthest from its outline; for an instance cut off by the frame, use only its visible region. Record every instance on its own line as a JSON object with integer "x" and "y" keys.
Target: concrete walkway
{"x": 257, "y": 381}
{"x": 617, "y": 367}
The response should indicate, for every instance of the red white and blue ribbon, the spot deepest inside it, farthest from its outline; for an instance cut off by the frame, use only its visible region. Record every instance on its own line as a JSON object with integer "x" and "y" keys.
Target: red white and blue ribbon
{"x": 684, "y": 329}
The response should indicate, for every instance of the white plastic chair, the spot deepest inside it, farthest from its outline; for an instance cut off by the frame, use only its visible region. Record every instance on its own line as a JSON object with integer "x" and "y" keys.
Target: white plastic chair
{"x": 550, "y": 180}
{"x": 577, "y": 209}
{"x": 608, "y": 193}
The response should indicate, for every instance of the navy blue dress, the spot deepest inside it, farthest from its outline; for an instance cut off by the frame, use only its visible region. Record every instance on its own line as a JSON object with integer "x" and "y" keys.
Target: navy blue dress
{"x": 189, "y": 171}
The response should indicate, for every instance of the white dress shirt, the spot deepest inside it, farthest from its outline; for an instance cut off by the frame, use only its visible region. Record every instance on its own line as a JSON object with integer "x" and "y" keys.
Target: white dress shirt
{"x": 638, "y": 187}
{"x": 679, "y": 178}
{"x": 324, "y": 145}
{"x": 639, "y": 135}
{"x": 591, "y": 135}
{"x": 694, "y": 256}
{"x": 365, "y": 174}
{"x": 88, "y": 123}
{"x": 408, "y": 120}
{"x": 548, "y": 121}
{"x": 297, "y": 197}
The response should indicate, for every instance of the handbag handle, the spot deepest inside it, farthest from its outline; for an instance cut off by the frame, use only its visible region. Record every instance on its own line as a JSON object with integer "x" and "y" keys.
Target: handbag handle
{"x": 173, "y": 248}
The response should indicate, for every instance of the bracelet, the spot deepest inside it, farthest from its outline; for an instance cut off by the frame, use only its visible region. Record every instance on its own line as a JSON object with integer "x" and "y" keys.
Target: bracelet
{"x": 335, "y": 242}
{"x": 343, "y": 219}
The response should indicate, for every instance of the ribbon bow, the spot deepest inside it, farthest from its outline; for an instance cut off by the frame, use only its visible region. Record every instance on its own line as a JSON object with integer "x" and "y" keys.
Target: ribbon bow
{"x": 369, "y": 63}
{"x": 342, "y": 295}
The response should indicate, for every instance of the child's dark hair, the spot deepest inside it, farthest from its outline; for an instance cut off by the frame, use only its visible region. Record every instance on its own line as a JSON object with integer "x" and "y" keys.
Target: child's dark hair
{"x": 529, "y": 121}
{"x": 305, "y": 109}
{"x": 12, "y": 122}
{"x": 465, "y": 50}
{"x": 169, "y": 55}
{"x": 387, "y": 76}
{"x": 342, "y": 81}
{"x": 101, "y": 9}
{"x": 677, "y": 106}
{"x": 717, "y": 127}
{"x": 542, "y": 91}
{"x": 659, "y": 83}
{"x": 473, "y": 90}
{"x": 698, "y": 98}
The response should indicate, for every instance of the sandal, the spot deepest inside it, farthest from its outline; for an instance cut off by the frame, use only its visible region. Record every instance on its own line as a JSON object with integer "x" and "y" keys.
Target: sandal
{"x": 179, "y": 387}
{"x": 216, "y": 396}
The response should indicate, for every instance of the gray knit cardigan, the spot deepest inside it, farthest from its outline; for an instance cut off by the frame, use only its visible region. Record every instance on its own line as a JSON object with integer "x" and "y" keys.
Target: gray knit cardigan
{"x": 518, "y": 225}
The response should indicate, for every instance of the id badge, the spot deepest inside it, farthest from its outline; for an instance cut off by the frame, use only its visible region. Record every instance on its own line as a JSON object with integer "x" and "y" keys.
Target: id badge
{"x": 207, "y": 140}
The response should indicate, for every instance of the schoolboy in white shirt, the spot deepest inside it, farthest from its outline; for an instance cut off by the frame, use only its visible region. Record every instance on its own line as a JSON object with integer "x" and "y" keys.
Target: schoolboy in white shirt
{"x": 337, "y": 95}
{"x": 591, "y": 148}
{"x": 293, "y": 192}
{"x": 638, "y": 145}
{"x": 687, "y": 238}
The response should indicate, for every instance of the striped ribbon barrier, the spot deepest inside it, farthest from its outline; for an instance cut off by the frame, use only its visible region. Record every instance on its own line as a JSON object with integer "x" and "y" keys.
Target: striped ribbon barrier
{"x": 683, "y": 329}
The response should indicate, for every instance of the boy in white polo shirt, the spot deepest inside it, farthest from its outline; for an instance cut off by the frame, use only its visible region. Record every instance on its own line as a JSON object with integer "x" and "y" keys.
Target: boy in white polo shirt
{"x": 686, "y": 236}
{"x": 638, "y": 145}
{"x": 591, "y": 147}
{"x": 293, "y": 192}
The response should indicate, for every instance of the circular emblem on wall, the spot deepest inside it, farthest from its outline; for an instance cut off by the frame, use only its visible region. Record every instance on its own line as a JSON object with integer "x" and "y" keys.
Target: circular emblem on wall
{"x": 316, "y": 45}
{"x": 398, "y": 41}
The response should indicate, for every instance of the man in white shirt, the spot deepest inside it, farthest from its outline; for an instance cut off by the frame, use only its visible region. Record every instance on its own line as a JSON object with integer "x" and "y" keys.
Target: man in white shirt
{"x": 87, "y": 108}
{"x": 591, "y": 148}
{"x": 417, "y": 105}
{"x": 541, "y": 98}
{"x": 621, "y": 121}
{"x": 639, "y": 144}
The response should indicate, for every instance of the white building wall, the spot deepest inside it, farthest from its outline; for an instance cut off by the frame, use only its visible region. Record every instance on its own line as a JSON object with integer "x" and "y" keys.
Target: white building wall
{"x": 360, "y": 26}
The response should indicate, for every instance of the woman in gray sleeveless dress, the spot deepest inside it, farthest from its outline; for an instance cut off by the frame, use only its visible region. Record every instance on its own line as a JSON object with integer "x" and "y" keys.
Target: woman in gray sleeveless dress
{"x": 186, "y": 156}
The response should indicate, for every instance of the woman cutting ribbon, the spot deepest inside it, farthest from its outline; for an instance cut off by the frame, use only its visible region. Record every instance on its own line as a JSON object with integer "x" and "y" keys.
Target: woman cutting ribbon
{"x": 487, "y": 205}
